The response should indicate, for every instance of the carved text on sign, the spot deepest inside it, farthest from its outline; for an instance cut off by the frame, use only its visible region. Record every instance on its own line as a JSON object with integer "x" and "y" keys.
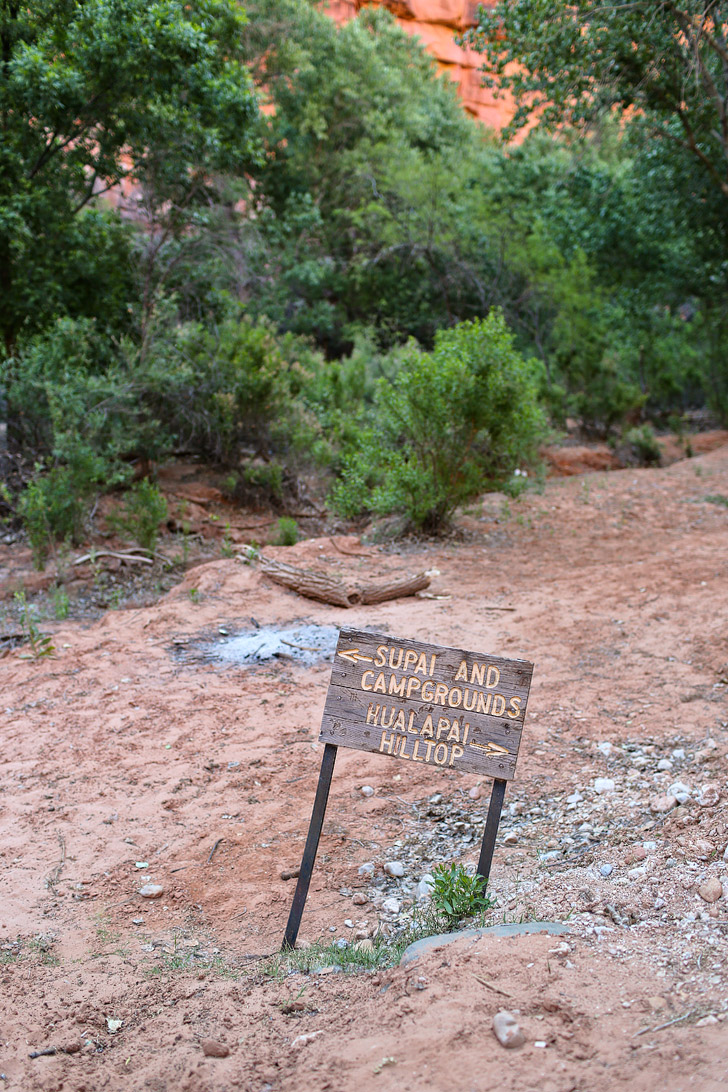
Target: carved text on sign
{"x": 441, "y": 706}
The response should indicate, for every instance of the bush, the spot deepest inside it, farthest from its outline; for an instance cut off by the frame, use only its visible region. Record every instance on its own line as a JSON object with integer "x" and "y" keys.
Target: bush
{"x": 52, "y": 507}
{"x": 448, "y": 426}
{"x": 144, "y": 509}
{"x": 286, "y": 532}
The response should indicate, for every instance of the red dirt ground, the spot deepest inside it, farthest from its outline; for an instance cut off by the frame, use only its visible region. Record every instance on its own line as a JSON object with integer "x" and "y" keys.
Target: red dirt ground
{"x": 124, "y": 762}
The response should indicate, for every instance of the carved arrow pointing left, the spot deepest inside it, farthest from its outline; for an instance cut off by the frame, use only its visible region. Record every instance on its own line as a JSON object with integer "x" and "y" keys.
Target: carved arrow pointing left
{"x": 353, "y": 655}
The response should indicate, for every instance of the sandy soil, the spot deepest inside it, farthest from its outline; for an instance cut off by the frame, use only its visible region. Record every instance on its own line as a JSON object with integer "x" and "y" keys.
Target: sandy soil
{"x": 128, "y": 759}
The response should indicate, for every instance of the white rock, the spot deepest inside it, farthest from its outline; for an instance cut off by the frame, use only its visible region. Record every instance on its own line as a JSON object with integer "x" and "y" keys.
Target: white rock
{"x": 604, "y": 784}
{"x": 606, "y": 869}
{"x": 510, "y": 839}
{"x": 507, "y": 1031}
{"x": 708, "y": 795}
{"x": 424, "y": 887}
{"x": 303, "y": 1040}
{"x": 574, "y": 797}
{"x": 679, "y": 753}
{"x": 391, "y": 906}
{"x": 664, "y": 764}
{"x": 151, "y": 891}
{"x": 680, "y": 791}
{"x": 367, "y": 790}
{"x": 605, "y": 748}
{"x": 394, "y": 869}
{"x": 366, "y": 869}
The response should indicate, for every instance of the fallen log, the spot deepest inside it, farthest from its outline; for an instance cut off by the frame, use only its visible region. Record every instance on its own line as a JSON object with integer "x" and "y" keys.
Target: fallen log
{"x": 329, "y": 589}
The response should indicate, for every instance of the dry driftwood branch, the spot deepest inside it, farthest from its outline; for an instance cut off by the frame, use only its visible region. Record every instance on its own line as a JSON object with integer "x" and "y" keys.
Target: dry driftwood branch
{"x": 131, "y": 558}
{"x": 328, "y": 589}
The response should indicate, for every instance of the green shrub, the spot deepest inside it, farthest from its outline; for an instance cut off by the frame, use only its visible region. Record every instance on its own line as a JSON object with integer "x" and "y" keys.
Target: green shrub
{"x": 143, "y": 511}
{"x": 643, "y": 446}
{"x": 52, "y": 507}
{"x": 457, "y": 895}
{"x": 286, "y": 532}
{"x": 448, "y": 426}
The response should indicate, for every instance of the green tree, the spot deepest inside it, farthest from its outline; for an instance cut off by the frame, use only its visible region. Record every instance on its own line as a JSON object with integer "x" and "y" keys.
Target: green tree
{"x": 93, "y": 92}
{"x": 450, "y": 425}
{"x": 662, "y": 62}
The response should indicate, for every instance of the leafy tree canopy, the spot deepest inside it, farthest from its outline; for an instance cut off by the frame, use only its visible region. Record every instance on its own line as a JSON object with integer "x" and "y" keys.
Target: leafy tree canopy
{"x": 664, "y": 63}
{"x": 91, "y": 92}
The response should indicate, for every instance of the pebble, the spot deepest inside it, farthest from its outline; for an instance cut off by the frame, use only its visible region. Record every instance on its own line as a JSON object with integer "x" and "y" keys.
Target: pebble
{"x": 391, "y": 906}
{"x": 574, "y": 797}
{"x": 212, "y": 1049}
{"x": 605, "y": 748}
{"x": 679, "y": 753}
{"x": 394, "y": 869}
{"x": 475, "y": 793}
{"x": 151, "y": 891}
{"x": 364, "y": 946}
{"x": 603, "y": 784}
{"x": 711, "y": 890}
{"x": 606, "y": 869}
{"x": 367, "y": 790}
{"x": 708, "y": 795}
{"x": 680, "y": 791}
{"x": 360, "y": 899}
{"x": 304, "y": 1040}
{"x": 507, "y": 1031}
{"x": 425, "y": 886}
{"x": 664, "y": 764}
{"x": 366, "y": 869}
{"x": 510, "y": 839}
{"x": 661, "y": 804}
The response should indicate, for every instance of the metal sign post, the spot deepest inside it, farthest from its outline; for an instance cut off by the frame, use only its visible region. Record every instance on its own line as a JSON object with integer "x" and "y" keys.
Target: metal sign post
{"x": 443, "y": 707}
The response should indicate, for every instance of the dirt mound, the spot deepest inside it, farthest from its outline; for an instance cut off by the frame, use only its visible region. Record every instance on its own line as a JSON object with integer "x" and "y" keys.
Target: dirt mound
{"x": 127, "y": 765}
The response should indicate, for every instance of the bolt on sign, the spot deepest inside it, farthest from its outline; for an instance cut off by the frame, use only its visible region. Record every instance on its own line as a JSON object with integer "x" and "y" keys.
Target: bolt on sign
{"x": 440, "y": 706}
{"x": 443, "y": 707}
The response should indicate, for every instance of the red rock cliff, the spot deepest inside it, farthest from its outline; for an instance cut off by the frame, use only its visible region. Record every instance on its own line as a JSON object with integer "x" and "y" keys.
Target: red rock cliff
{"x": 435, "y": 22}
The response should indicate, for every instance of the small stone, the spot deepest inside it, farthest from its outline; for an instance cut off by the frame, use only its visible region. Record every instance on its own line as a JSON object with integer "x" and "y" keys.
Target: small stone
{"x": 341, "y": 944}
{"x": 366, "y": 869}
{"x": 636, "y": 853}
{"x": 349, "y": 923}
{"x": 603, "y": 784}
{"x": 151, "y": 891}
{"x": 702, "y": 849}
{"x": 424, "y": 887}
{"x": 360, "y": 899}
{"x": 711, "y": 890}
{"x": 605, "y": 748}
{"x": 680, "y": 791}
{"x": 510, "y": 839}
{"x": 706, "y": 1021}
{"x": 606, "y": 869}
{"x": 659, "y": 904}
{"x": 574, "y": 797}
{"x": 304, "y": 1040}
{"x": 507, "y": 1031}
{"x": 436, "y": 799}
{"x": 391, "y": 906}
{"x": 664, "y": 764}
{"x": 475, "y": 793}
{"x": 367, "y": 790}
{"x": 364, "y": 946}
{"x": 211, "y": 1048}
{"x": 662, "y": 804}
{"x": 394, "y": 869}
{"x": 708, "y": 795}
{"x": 636, "y": 873}
{"x": 679, "y": 753}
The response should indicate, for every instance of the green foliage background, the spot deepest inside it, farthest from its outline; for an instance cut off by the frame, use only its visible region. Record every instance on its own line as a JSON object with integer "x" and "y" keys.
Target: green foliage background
{"x": 357, "y": 280}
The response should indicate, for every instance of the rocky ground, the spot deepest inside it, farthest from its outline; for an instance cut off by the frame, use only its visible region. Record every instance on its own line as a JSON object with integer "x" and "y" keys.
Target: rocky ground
{"x": 136, "y": 756}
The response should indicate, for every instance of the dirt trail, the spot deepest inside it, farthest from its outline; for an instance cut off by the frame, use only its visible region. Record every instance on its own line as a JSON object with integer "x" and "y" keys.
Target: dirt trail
{"x": 127, "y": 759}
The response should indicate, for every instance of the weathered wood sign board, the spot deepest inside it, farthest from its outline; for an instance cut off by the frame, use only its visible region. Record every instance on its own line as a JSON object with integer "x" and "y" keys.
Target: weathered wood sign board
{"x": 441, "y": 706}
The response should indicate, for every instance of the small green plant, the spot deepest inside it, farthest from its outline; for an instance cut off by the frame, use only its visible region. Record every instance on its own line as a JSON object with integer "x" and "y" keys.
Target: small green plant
{"x": 286, "y": 532}
{"x": 40, "y": 643}
{"x": 144, "y": 509}
{"x": 193, "y": 595}
{"x": 227, "y": 546}
{"x": 717, "y": 498}
{"x": 456, "y": 894}
{"x": 61, "y": 603}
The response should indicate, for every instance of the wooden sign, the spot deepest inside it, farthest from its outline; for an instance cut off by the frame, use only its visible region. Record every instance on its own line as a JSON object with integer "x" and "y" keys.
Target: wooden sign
{"x": 444, "y": 707}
